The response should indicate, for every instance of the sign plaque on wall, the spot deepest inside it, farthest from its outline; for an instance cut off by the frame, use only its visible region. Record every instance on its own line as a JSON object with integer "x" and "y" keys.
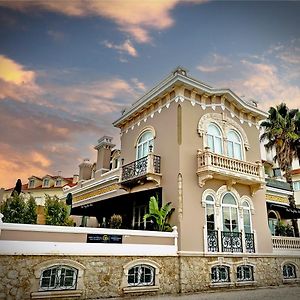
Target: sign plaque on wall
{"x": 104, "y": 238}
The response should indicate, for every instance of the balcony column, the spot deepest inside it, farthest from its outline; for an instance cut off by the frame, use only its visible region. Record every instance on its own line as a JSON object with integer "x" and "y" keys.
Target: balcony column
{"x": 207, "y": 156}
{"x": 243, "y": 241}
{"x": 261, "y": 173}
{"x": 220, "y": 240}
{"x": 150, "y": 165}
{"x": 205, "y": 239}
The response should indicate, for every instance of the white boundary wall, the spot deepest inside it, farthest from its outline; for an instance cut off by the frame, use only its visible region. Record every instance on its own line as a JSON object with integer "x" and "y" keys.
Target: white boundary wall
{"x": 9, "y": 247}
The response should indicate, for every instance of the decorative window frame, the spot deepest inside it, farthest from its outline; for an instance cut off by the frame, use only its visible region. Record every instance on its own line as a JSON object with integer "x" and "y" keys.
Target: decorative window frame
{"x": 31, "y": 183}
{"x": 44, "y": 179}
{"x": 143, "y": 288}
{"x": 225, "y": 124}
{"x": 221, "y": 262}
{"x": 245, "y": 262}
{"x": 147, "y": 128}
{"x": 290, "y": 280}
{"x": 37, "y": 293}
{"x": 222, "y": 136}
{"x": 144, "y": 130}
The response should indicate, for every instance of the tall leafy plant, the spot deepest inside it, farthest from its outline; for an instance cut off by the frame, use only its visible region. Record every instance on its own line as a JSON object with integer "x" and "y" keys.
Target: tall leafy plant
{"x": 160, "y": 216}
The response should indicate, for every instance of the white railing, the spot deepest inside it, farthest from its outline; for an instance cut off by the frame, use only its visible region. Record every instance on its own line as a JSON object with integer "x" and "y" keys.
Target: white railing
{"x": 206, "y": 158}
{"x": 285, "y": 244}
{"x": 73, "y": 241}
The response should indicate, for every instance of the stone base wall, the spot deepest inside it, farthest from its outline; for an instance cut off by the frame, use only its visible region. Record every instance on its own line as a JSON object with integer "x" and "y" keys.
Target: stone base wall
{"x": 104, "y": 276}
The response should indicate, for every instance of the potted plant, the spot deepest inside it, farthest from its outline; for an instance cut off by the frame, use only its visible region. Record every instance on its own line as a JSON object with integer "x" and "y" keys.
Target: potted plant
{"x": 115, "y": 221}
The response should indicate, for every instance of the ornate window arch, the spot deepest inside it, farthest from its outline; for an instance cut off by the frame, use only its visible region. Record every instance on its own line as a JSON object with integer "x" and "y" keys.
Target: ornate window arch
{"x": 221, "y": 272}
{"x": 214, "y": 138}
{"x": 230, "y": 215}
{"x": 234, "y": 145}
{"x": 144, "y": 141}
{"x": 289, "y": 270}
{"x": 140, "y": 274}
{"x": 58, "y": 276}
{"x": 226, "y": 125}
{"x": 247, "y": 220}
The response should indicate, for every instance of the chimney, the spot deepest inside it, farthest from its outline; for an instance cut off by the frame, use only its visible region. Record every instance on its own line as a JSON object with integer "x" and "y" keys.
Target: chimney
{"x": 75, "y": 178}
{"x": 104, "y": 152}
{"x": 85, "y": 170}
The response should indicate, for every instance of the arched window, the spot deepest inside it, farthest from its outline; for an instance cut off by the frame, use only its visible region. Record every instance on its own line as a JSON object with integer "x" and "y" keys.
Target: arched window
{"x": 210, "y": 212}
{"x": 273, "y": 221}
{"x": 234, "y": 145}
{"x": 220, "y": 274}
{"x": 245, "y": 273}
{"x": 212, "y": 234}
{"x": 58, "y": 277}
{"x": 229, "y": 213}
{"x": 214, "y": 138}
{"x": 247, "y": 217}
{"x": 141, "y": 275}
{"x": 143, "y": 144}
{"x": 289, "y": 271}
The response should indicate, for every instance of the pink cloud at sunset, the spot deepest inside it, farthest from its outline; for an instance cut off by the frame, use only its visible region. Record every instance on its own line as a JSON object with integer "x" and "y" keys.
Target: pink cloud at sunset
{"x": 132, "y": 16}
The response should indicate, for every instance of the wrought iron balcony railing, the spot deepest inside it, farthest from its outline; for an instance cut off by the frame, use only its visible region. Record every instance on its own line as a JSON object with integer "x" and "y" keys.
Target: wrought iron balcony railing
{"x": 212, "y": 241}
{"x": 231, "y": 241}
{"x": 149, "y": 164}
{"x": 228, "y": 241}
{"x": 249, "y": 242}
{"x": 212, "y": 165}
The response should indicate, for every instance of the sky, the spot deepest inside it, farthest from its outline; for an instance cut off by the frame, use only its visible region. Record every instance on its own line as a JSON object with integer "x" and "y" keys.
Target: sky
{"x": 68, "y": 68}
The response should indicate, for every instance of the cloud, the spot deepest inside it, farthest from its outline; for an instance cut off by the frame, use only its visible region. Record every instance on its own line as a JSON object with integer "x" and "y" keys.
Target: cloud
{"x": 56, "y": 35}
{"x": 98, "y": 98}
{"x": 134, "y": 17}
{"x": 126, "y": 47}
{"x": 216, "y": 63}
{"x": 266, "y": 84}
{"x": 16, "y": 82}
{"x": 12, "y": 72}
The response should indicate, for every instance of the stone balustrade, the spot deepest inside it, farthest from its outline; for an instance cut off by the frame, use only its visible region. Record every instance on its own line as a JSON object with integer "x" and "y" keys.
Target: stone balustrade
{"x": 284, "y": 244}
{"x": 212, "y": 165}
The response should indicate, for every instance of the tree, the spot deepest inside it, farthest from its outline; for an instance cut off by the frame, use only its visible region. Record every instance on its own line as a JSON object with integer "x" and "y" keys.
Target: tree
{"x": 13, "y": 209}
{"x": 56, "y": 212}
{"x": 18, "y": 188}
{"x": 281, "y": 131}
{"x": 30, "y": 211}
{"x": 160, "y": 216}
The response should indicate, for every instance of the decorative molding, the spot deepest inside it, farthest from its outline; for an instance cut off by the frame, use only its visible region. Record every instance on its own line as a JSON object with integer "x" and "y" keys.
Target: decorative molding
{"x": 206, "y": 193}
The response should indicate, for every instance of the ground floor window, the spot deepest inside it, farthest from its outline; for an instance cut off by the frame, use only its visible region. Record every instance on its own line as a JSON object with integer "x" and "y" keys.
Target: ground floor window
{"x": 58, "y": 278}
{"x": 220, "y": 274}
{"x": 289, "y": 271}
{"x": 141, "y": 275}
{"x": 245, "y": 273}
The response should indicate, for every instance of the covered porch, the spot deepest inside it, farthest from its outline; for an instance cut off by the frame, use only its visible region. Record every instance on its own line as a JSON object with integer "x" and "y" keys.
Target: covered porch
{"x": 131, "y": 206}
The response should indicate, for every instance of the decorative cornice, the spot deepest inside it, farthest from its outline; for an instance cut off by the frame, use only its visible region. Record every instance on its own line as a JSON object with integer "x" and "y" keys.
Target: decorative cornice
{"x": 177, "y": 78}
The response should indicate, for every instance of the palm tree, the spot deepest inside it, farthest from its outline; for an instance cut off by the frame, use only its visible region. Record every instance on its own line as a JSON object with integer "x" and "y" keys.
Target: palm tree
{"x": 159, "y": 215}
{"x": 281, "y": 131}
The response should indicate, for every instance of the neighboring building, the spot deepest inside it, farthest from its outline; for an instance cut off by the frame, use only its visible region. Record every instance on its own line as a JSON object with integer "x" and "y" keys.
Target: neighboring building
{"x": 38, "y": 187}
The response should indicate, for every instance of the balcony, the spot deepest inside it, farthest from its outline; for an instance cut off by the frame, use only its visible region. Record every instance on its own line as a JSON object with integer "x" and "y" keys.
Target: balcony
{"x": 286, "y": 244}
{"x": 146, "y": 169}
{"x": 212, "y": 165}
{"x": 228, "y": 241}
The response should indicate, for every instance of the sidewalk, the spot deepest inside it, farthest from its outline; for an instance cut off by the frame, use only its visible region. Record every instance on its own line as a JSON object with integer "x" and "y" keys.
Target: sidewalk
{"x": 269, "y": 293}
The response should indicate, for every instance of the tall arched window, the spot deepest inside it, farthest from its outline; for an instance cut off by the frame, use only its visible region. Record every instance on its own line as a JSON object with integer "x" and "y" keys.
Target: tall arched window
{"x": 145, "y": 140}
{"x": 273, "y": 221}
{"x": 230, "y": 213}
{"x": 234, "y": 145}
{"x": 247, "y": 217}
{"x": 214, "y": 138}
{"x": 212, "y": 235}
